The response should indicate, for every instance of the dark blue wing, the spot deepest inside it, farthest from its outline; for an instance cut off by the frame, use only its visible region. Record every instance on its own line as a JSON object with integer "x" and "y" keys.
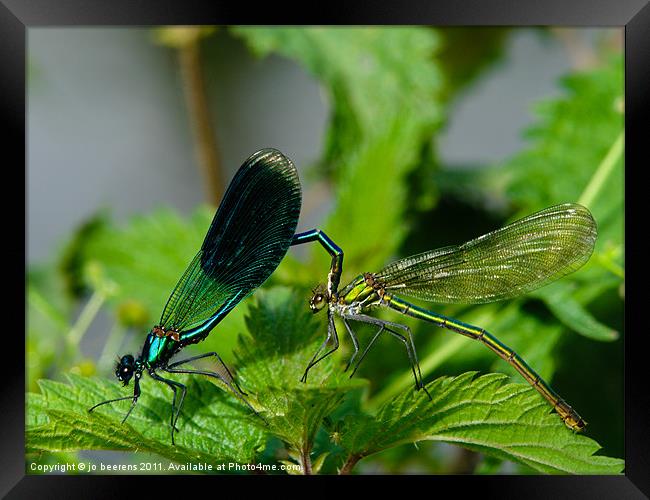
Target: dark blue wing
{"x": 249, "y": 235}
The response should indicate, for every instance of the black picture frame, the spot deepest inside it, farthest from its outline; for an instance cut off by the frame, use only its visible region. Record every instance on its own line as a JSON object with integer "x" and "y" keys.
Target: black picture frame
{"x": 16, "y": 16}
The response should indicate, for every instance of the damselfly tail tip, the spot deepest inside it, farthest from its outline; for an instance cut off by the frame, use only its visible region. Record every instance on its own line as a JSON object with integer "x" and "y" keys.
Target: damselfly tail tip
{"x": 576, "y": 425}
{"x": 570, "y": 417}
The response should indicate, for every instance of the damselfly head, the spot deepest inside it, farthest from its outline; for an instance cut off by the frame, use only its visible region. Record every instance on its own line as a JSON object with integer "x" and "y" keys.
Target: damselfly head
{"x": 125, "y": 368}
{"x": 318, "y": 299}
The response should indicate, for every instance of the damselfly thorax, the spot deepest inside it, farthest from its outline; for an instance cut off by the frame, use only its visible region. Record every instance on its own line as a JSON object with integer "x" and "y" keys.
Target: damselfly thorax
{"x": 361, "y": 295}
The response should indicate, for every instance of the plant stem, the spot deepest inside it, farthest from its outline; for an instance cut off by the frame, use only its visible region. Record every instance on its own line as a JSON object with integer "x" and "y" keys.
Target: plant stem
{"x": 603, "y": 171}
{"x": 114, "y": 340}
{"x": 305, "y": 460}
{"x": 86, "y": 317}
{"x": 349, "y": 464}
{"x": 197, "y": 103}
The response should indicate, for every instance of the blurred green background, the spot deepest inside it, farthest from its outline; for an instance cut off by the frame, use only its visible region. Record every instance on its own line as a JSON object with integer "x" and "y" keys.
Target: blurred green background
{"x": 406, "y": 139}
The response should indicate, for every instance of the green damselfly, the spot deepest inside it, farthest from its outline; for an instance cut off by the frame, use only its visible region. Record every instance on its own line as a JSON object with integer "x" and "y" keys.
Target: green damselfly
{"x": 518, "y": 258}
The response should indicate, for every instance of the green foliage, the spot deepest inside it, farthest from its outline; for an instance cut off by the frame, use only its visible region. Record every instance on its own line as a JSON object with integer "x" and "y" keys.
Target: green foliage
{"x": 147, "y": 256}
{"x": 569, "y": 140}
{"x": 508, "y": 421}
{"x": 387, "y": 88}
{"x": 73, "y": 259}
{"x": 47, "y": 324}
{"x": 576, "y": 154}
{"x": 376, "y": 128}
{"x": 559, "y": 299}
{"x": 586, "y": 168}
{"x": 530, "y": 336}
{"x": 467, "y": 52}
{"x": 365, "y": 72}
{"x": 504, "y": 420}
{"x": 284, "y": 337}
{"x": 573, "y": 153}
{"x": 145, "y": 259}
{"x": 217, "y": 429}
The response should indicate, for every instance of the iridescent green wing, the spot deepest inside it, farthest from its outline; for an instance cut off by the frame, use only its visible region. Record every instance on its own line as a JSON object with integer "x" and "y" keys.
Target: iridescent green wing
{"x": 248, "y": 237}
{"x": 513, "y": 260}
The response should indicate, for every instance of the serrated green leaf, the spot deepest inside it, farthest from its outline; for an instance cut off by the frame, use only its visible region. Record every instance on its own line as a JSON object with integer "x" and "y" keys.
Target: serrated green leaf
{"x": 350, "y": 60}
{"x": 572, "y": 135}
{"x": 213, "y": 427}
{"x": 569, "y": 142}
{"x": 485, "y": 414}
{"x": 576, "y": 139}
{"x": 273, "y": 360}
{"x": 384, "y": 89}
{"x": 532, "y": 338}
{"x": 508, "y": 421}
{"x": 573, "y": 153}
{"x": 144, "y": 259}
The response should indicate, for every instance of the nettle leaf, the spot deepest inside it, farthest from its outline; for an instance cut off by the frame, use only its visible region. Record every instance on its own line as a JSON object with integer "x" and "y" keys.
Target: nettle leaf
{"x": 575, "y": 147}
{"x": 213, "y": 426}
{"x": 507, "y": 421}
{"x": 371, "y": 75}
{"x": 574, "y": 140}
{"x": 468, "y": 51}
{"x": 531, "y": 337}
{"x": 145, "y": 258}
{"x": 484, "y": 414}
{"x": 274, "y": 359}
{"x": 571, "y": 136}
{"x": 384, "y": 89}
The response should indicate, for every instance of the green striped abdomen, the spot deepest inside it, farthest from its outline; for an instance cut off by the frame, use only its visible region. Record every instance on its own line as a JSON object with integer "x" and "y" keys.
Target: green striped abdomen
{"x": 568, "y": 414}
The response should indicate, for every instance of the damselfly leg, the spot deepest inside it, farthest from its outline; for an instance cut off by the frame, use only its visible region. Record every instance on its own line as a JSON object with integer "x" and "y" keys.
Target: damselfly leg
{"x": 389, "y": 327}
{"x": 331, "y": 333}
